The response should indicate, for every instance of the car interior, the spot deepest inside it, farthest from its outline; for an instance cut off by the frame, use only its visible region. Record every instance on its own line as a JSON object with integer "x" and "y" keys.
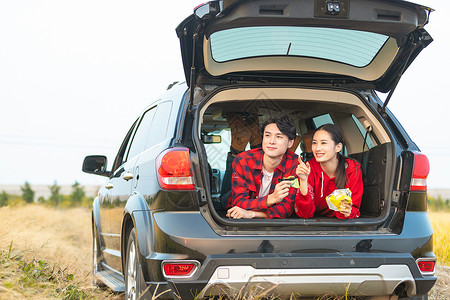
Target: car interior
{"x": 364, "y": 143}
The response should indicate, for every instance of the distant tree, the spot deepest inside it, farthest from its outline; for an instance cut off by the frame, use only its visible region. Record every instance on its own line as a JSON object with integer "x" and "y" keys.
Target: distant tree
{"x": 438, "y": 204}
{"x": 27, "y": 193}
{"x": 55, "y": 197}
{"x": 4, "y": 197}
{"x": 77, "y": 194}
{"x": 41, "y": 200}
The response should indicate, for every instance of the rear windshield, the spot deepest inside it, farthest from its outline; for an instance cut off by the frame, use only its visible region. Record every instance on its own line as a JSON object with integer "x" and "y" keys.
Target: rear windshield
{"x": 356, "y": 48}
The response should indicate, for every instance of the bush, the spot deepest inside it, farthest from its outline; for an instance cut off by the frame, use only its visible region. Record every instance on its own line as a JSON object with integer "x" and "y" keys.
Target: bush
{"x": 438, "y": 204}
{"x": 27, "y": 193}
{"x": 4, "y": 197}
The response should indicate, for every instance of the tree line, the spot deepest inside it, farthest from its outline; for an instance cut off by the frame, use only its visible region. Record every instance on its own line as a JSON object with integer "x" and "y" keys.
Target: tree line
{"x": 77, "y": 197}
{"x": 438, "y": 204}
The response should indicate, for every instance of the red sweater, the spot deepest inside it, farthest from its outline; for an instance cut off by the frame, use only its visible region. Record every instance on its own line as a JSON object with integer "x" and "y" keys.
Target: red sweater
{"x": 320, "y": 186}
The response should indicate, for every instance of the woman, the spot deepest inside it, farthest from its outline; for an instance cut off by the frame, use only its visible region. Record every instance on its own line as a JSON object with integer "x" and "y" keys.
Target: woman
{"x": 325, "y": 173}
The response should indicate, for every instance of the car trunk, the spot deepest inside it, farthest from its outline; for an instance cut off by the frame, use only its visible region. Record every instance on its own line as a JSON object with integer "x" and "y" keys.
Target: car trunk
{"x": 368, "y": 42}
{"x": 318, "y": 64}
{"x": 367, "y": 138}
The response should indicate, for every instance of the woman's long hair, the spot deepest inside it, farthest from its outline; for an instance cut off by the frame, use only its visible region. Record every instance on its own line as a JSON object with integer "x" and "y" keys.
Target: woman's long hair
{"x": 337, "y": 137}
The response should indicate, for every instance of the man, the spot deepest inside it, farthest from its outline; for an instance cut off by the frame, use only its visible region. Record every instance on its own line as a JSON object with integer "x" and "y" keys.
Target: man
{"x": 257, "y": 191}
{"x": 243, "y": 132}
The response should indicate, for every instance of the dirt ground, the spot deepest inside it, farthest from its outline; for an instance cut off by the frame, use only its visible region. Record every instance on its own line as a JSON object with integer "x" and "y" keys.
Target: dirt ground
{"x": 63, "y": 237}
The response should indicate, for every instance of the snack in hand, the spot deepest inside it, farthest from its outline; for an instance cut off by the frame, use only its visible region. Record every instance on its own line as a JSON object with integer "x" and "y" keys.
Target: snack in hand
{"x": 335, "y": 199}
{"x": 293, "y": 180}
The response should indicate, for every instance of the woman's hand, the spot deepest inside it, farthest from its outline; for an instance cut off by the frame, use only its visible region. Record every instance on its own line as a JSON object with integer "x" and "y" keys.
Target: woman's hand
{"x": 239, "y": 213}
{"x": 346, "y": 208}
{"x": 303, "y": 170}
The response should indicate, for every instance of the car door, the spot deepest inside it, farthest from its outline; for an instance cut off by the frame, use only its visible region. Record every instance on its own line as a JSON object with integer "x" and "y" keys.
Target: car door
{"x": 122, "y": 182}
{"x": 106, "y": 198}
{"x": 157, "y": 140}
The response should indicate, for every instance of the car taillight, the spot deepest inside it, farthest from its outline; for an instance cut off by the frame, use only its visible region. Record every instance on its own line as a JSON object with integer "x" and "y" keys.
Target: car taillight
{"x": 420, "y": 172}
{"x": 174, "y": 170}
{"x": 179, "y": 268}
{"x": 426, "y": 265}
{"x": 200, "y": 5}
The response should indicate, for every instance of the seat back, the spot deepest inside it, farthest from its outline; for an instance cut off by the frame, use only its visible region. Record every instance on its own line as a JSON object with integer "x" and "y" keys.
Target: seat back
{"x": 306, "y": 145}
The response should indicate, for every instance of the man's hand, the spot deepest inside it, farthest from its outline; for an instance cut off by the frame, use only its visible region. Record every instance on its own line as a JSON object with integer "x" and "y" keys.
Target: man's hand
{"x": 239, "y": 213}
{"x": 281, "y": 191}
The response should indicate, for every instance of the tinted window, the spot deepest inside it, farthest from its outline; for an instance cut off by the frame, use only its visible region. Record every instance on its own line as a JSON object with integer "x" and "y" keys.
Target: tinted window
{"x": 158, "y": 130}
{"x": 217, "y": 153}
{"x": 369, "y": 143}
{"x": 356, "y": 48}
{"x": 140, "y": 137}
{"x": 120, "y": 158}
{"x": 323, "y": 119}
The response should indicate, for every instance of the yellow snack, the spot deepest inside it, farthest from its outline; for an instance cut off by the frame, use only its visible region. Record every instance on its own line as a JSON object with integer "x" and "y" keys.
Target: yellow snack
{"x": 336, "y": 198}
{"x": 293, "y": 180}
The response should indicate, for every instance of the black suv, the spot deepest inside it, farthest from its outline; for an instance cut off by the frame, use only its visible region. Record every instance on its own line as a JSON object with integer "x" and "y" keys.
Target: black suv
{"x": 159, "y": 225}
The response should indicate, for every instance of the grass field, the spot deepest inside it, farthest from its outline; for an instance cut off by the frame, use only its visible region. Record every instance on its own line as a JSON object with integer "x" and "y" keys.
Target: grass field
{"x": 441, "y": 237}
{"x": 32, "y": 236}
{"x": 46, "y": 254}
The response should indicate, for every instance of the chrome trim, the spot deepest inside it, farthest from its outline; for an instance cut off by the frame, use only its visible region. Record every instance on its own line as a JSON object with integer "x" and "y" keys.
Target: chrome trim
{"x": 110, "y": 235}
{"x": 381, "y": 281}
{"x": 112, "y": 252}
{"x": 426, "y": 259}
{"x": 111, "y": 281}
{"x": 110, "y": 269}
{"x": 194, "y": 262}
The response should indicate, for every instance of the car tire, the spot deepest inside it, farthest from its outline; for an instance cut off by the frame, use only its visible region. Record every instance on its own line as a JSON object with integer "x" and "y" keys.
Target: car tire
{"x": 133, "y": 274}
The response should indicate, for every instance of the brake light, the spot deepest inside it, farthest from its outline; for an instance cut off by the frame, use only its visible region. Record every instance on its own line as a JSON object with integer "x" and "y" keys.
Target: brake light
{"x": 179, "y": 268}
{"x": 174, "y": 170}
{"x": 212, "y": 8}
{"x": 426, "y": 266}
{"x": 420, "y": 172}
{"x": 200, "y": 5}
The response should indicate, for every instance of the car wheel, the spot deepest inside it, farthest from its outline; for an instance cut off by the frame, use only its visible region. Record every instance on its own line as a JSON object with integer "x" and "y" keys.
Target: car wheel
{"x": 133, "y": 276}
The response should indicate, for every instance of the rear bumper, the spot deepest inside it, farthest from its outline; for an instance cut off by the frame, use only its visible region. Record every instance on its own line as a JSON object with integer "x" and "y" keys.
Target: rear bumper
{"x": 354, "y": 274}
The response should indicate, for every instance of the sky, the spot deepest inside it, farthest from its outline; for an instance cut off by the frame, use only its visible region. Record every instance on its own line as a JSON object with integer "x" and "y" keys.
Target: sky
{"x": 74, "y": 75}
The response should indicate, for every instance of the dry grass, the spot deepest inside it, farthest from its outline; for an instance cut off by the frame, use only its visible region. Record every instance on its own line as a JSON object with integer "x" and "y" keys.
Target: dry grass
{"x": 63, "y": 236}
{"x": 441, "y": 247}
{"x": 441, "y": 239}
{"x": 441, "y": 290}
{"x": 63, "y": 239}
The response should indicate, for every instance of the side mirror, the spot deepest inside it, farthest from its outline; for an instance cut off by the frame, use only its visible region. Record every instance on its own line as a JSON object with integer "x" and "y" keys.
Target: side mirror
{"x": 95, "y": 164}
{"x": 211, "y": 139}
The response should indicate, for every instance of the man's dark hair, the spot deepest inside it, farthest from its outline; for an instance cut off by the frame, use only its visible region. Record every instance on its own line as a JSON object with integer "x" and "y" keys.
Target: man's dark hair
{"x": 284, "y": 123}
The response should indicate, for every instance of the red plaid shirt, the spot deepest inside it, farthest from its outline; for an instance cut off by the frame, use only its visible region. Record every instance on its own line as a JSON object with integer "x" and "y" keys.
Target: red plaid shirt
{"x": 247, "y": 178}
